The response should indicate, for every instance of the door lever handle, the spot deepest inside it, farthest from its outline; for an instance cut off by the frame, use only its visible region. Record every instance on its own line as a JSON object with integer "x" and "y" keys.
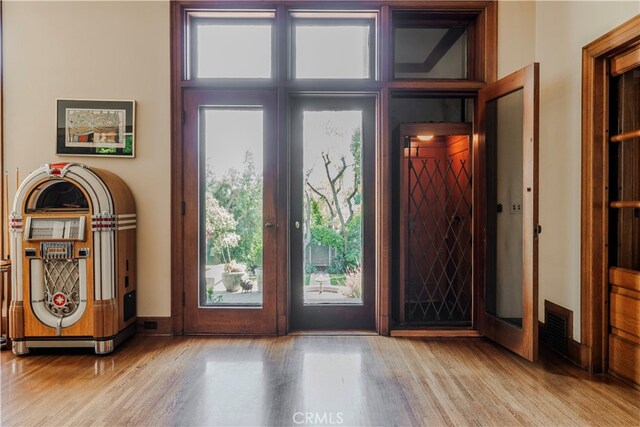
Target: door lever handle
{"x": 268, "y": 225}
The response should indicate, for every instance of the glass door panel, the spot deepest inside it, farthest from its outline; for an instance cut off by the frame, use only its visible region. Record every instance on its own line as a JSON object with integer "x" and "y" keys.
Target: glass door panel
{"x": 231, "y": 200}
{"x": 332, "y": 207}
{"x": 331, "y": 202}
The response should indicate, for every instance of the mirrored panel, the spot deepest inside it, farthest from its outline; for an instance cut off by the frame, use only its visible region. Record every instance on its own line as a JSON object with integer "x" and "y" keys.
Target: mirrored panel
{"x": 504, "y": 163}
{"x": 231, "y": 206}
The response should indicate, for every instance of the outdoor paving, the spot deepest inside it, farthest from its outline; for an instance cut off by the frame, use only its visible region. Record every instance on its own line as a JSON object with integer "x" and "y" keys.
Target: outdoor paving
{"x": 330, "y": 294}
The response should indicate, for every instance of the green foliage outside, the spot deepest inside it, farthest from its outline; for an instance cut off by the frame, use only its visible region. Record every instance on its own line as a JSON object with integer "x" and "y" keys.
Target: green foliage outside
{"x": 345, "y": 239}
{"x": 237, "y": 194}
{"x": 332, "y": 214}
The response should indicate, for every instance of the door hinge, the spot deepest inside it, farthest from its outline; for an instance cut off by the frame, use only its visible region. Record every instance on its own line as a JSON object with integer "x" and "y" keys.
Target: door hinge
{"x": 183, "y": 299}
{"x": 184, "y": 208}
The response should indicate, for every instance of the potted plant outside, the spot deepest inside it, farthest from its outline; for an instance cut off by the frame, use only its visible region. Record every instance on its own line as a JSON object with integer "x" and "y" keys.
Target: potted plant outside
{"x": 232, "y": 276}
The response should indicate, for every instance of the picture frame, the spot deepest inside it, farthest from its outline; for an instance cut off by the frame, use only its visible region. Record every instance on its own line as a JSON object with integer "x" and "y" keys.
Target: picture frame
{"x": 101, "y": 128}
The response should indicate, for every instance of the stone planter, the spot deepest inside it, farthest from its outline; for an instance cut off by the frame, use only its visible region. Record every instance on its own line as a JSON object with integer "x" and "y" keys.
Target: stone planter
{"x": 231, "y": 281}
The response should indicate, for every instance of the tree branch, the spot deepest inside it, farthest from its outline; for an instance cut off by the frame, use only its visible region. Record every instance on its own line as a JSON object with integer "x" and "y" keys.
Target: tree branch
{"x": 323, "y": 197}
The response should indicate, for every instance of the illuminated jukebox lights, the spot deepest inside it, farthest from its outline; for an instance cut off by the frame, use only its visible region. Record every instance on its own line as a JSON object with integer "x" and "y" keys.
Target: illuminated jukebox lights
{"x": 74, "y": 244}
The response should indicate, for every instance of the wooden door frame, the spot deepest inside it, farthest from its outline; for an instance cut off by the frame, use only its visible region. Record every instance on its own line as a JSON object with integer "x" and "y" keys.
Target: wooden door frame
{"x": 485, "y": 70}
{"x": 594, "y": 218}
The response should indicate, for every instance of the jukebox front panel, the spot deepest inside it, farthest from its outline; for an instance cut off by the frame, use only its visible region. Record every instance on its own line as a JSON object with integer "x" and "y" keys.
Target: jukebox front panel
{"x": 56, "y": 265}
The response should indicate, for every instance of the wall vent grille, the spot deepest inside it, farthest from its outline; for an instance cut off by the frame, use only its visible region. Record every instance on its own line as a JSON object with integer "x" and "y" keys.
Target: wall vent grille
{"x": 556, "y": 332}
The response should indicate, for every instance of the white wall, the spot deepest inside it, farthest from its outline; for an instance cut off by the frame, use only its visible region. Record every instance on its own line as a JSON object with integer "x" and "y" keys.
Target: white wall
{"x": 96, "y": 50}
{"x": 561, "y": 29}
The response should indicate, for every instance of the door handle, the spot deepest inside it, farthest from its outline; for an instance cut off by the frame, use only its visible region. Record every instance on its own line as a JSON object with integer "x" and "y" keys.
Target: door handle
{"x": 297, "y": 224}
{"x": 537, "y": 230}
{"x": 268, "y": 225}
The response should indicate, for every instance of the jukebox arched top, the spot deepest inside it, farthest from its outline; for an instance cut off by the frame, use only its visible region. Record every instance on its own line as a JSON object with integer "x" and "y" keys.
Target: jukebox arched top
{"x": 73, "y": 187}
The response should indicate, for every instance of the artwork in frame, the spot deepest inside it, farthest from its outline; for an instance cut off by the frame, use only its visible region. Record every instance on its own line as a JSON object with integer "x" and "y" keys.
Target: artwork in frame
{"x": 95, "y": 128}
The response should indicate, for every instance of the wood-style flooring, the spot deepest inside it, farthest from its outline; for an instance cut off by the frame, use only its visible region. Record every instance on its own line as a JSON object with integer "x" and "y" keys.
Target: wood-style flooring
{"x": 307, "y": 380}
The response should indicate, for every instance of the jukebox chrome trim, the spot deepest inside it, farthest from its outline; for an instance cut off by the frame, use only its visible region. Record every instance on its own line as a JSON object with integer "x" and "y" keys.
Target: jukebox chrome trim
{"x": 39, "y": 301}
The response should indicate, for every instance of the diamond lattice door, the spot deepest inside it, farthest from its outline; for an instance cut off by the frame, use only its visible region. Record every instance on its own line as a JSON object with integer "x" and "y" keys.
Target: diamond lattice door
{"x": 438, "y": 233}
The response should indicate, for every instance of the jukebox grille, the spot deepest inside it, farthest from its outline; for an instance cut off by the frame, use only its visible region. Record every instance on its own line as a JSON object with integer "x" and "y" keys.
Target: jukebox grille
{"x": 61, "y": 286}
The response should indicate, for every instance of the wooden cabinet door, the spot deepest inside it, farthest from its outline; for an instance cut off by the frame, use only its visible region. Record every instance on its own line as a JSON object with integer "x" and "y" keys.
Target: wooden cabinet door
{"x": 506, "y": 221}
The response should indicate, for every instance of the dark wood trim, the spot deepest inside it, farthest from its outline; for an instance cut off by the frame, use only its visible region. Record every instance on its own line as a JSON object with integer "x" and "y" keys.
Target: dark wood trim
{"x": 177, "y": 233}
{"x": 383, "y": 210}
{"x": 594, "y": 217}
{"x": 164, "y": 326}
{"x": 484, "y": 70}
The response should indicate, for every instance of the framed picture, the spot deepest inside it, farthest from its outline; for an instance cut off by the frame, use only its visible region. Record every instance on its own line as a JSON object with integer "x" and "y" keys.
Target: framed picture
{"x": 95, "y": 128}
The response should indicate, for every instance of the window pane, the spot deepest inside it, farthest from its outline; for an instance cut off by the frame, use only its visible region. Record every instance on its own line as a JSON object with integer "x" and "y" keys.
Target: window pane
{"x": 434, "y": 53}
{"x": 231, "y": 200}
{"x": 228, "y": 50}
{"x": 332, "y": 51}
{"x": 332, "y": 243}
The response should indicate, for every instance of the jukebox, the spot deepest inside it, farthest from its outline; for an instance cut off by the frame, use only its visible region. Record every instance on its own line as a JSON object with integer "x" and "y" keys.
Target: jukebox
{"x": 73, "y": 244}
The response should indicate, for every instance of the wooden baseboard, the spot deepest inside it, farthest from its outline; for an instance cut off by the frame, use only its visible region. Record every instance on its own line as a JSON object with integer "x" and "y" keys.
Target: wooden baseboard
{"x": 160, "y": 326}
{"x": 428, "y": 333}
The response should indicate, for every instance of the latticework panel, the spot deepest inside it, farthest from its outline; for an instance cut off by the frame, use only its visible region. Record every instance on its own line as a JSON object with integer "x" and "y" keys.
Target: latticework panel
{"x": 438, "y": 263}
{"x": 61, "y": 286}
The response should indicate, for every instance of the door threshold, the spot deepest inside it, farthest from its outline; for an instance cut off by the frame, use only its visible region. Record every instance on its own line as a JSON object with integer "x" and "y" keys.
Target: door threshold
{"x": 335, "y": 332}
{"x": 435, "y": 333}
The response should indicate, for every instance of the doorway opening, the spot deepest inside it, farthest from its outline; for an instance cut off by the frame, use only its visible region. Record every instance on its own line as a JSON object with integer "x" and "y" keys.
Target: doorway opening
{"x": 435, "y": 225}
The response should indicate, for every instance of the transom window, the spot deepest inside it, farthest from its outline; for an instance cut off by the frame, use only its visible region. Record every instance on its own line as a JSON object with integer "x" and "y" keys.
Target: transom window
{"x": 231, "y": 45}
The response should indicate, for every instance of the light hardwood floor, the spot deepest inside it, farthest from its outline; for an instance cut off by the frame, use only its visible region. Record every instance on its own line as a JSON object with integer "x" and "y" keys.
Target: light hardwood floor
{"x": 359, "y": 380}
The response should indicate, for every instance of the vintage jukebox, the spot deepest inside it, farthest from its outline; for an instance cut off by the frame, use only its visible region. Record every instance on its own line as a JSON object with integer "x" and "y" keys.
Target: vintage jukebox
{"x": 73, "y": 244}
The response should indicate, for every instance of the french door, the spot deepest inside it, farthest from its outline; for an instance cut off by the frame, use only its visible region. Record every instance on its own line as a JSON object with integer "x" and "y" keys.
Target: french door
{"x": 230, "y": 164}
{"x": 506, "y": 263}
{"x": 331, "y": 201}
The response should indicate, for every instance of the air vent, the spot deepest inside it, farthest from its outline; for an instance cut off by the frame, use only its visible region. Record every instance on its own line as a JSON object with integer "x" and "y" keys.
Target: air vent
{"x": 556, "y": 332}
